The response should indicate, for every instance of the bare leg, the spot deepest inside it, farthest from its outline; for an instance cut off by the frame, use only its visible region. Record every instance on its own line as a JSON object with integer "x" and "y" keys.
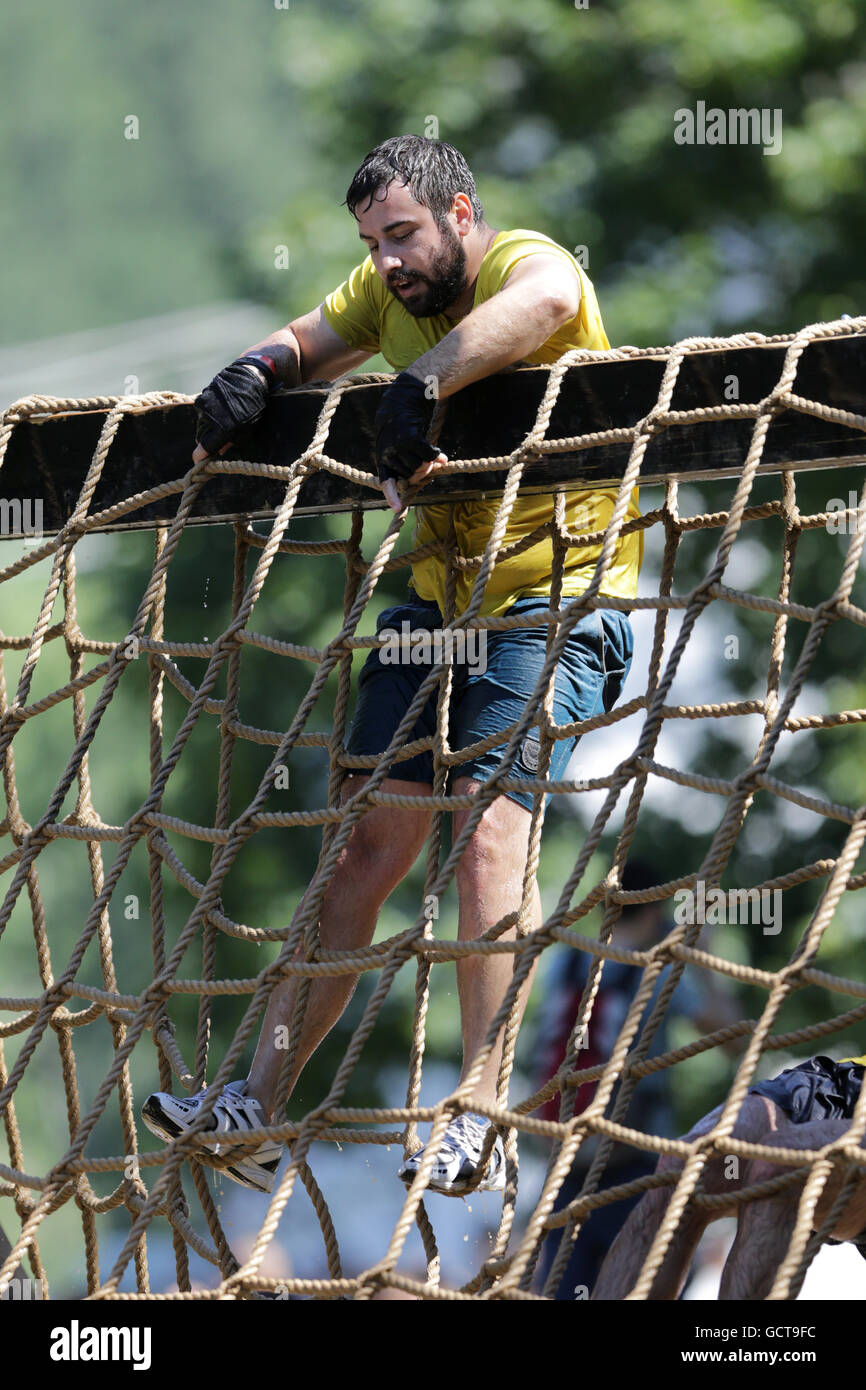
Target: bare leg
{"x": 757, "y": 1120}
{"x": 382, "y": 848}
{"x": 490, "y": 884}
{"x": 765, "y": 1228}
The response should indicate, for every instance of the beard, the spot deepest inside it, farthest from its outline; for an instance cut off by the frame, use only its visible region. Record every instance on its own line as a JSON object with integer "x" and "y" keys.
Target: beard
{"x": 445, "y": 283}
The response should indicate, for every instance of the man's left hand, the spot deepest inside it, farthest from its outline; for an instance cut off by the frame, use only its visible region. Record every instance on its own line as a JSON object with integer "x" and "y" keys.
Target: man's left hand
{"x": 402, "y": 448}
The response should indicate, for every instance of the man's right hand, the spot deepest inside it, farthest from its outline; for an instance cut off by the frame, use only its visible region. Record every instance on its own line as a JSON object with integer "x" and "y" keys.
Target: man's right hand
{"x": 237, "y": 397}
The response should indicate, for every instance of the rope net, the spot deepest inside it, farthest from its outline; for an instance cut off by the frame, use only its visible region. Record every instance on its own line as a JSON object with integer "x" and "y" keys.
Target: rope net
{"x": 170, "y": 1184}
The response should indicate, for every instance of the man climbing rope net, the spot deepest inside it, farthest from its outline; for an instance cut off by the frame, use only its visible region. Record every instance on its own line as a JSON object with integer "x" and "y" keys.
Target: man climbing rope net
{"x": 807, "y": 1106}
{"x": 447, "y": 300}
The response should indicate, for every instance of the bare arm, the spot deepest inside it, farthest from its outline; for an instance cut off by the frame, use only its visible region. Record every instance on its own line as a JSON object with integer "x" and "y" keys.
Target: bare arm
{"x": 308, "y": 349}
{"x": 540, "y": 295}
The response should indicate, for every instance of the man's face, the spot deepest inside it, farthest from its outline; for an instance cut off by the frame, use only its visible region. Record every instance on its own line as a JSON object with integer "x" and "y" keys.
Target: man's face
{"x": 423, "y": 265}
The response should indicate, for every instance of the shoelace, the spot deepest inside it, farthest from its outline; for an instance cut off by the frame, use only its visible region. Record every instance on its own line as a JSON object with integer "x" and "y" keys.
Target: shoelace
{"x": 469, "y": 1129}
{"x": 233, "y": 1108}
{"x": 464, "y": 1130}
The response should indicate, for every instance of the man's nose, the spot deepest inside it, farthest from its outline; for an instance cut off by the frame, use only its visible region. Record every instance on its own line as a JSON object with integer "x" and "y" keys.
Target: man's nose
{"x": 390, "y": 263}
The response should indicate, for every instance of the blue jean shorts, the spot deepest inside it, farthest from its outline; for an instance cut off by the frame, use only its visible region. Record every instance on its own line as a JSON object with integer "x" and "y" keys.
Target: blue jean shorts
{"x": 490, "y": 694}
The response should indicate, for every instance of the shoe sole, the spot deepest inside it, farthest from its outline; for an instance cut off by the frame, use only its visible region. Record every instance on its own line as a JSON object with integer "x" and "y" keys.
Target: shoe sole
{"x": 244, "y": 1181}
{"x": 463, "y": 1189}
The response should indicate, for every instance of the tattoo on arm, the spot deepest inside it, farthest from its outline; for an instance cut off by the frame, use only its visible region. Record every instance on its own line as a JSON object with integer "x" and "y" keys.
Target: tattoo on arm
{"x": 285, "y": 357}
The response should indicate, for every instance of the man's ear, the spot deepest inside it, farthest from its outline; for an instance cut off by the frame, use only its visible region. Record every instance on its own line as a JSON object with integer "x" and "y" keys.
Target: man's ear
{"x": 461, "y": 208}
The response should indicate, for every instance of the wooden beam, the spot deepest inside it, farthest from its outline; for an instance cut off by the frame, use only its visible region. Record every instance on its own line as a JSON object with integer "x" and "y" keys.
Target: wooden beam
{"x": 48, "y": 457}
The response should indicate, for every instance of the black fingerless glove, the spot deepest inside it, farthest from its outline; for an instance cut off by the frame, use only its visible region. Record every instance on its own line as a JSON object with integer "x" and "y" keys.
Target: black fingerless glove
{"x": 401, "y": 425}
{"x": 236, "y": 397}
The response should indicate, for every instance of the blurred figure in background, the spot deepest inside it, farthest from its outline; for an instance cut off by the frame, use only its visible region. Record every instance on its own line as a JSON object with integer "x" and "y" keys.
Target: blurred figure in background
{"x": 696, "y": 998}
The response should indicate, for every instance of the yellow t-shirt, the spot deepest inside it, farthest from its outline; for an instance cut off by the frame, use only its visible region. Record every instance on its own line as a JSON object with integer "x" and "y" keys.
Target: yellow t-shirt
{"x": 368, "y": 317}
{"x": 861, "y": 1061}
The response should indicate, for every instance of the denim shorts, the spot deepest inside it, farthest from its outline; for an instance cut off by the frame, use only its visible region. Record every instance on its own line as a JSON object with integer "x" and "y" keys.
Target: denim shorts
{"x": 490, "y": 694}
{"x": 819, "y": 1089}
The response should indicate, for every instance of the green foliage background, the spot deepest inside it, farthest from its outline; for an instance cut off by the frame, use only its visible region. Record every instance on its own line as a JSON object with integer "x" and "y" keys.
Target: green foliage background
{"x": 252, "y": 121}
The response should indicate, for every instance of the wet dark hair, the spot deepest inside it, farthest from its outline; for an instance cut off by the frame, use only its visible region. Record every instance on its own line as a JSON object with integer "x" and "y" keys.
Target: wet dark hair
{"x": 638, "y": 874}
{"x": 432, "y": 170}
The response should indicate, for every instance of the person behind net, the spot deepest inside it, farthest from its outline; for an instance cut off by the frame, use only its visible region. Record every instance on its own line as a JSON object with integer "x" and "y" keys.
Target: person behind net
{"x": 444, "y": 297}
{"x": 805, "y": 1107}
{"x": 695, "y": 1000}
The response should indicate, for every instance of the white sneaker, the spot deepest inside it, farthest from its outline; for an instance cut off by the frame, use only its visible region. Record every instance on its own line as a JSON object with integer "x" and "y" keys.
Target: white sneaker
{"x": 167, "y": 1116}
{"x": 456, "y": 1166}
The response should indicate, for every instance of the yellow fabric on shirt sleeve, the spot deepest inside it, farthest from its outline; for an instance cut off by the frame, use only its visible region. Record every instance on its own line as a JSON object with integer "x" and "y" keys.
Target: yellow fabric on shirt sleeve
{"x": 508, "y": 250}
{"x": 354, "y": 309}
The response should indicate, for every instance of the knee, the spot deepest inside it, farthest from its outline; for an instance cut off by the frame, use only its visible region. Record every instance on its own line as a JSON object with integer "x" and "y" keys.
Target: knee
{"x": 479, "y": 855}
{"x": 649, "y": 1213}
{"x": 373, "y": 858}
{"x": 656, "y": 1200}
{"x": 653, "y": 1205}
{"x": 494, "y": 848}
{"x": 738, "y": 1176}
{"x": 757, "y": 1170}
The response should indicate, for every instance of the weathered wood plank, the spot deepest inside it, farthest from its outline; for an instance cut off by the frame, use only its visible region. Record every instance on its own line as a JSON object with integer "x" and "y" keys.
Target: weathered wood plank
{"x": 48, "y": 458}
